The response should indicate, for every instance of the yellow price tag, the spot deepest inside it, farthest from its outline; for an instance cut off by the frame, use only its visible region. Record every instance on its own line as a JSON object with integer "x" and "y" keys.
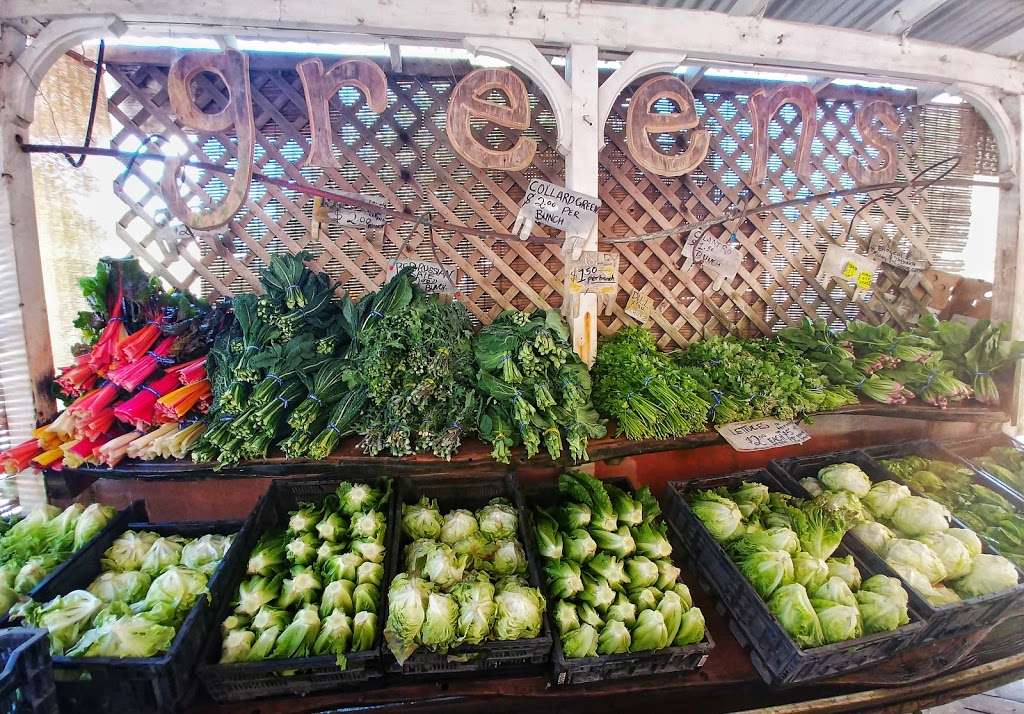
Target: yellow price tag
{"x": 849, "y": 270}
{"x": 864, "y": 280}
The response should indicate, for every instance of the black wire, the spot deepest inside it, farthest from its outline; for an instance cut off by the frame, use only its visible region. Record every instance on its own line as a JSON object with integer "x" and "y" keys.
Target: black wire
{"x": 77, "y": 163}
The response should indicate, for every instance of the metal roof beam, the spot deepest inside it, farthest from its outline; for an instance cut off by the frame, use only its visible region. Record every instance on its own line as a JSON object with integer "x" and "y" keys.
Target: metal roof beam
{"x": 1011, "y": 45}
{"x": 904, "y": 16}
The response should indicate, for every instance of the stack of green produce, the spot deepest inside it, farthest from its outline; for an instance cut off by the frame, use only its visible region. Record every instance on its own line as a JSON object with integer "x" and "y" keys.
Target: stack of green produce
{"x": 32, "y": 546}
{"x": 416, "y": 359}
{"x": 912, "y": 534}
{"x": 643, "y": 390}
{"x": 983, "y": 510}
{"x": 534, "y": 387}
{"x": 609, "y": 566}
{"x": 754, "y": 379}
{"x": 976, "y": 351}
{"x": 313, "y": 587}
{"x": 260, "y": 369}
{"x": 462, "y": 580}
{"x": 1006, "y": 463}
{"x": 134, "y": 607}
{"x": 784, "y": 547}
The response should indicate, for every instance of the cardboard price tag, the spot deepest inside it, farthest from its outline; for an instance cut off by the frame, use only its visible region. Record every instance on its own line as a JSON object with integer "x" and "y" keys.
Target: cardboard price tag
{"x": 593, "y": 272}
{"x": 761, "y": 434}
{"x": 639, "y": 306}
{"x": 556, "y": 207}
{"x": 336, "y": 213}
{"x": 430, "y": 276}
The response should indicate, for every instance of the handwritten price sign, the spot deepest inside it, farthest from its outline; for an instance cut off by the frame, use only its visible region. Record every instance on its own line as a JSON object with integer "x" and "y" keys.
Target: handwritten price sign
{"x": 430, "y": 276}
{"x": 337, "y": 213}
{"x": 639, "y": 306}
{"x": 761, "y": 434}
{"x": 593, "y": 273}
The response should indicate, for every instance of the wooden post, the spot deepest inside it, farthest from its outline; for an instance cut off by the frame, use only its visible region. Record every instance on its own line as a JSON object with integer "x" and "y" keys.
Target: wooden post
{"x": 1008, "y": 295}
{"x": 19, "y": 240}
{"x": 581, "y": 166}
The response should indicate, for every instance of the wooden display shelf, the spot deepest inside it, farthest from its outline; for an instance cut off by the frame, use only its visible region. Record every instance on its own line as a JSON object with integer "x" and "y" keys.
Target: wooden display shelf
{"x": 924, "y": 676}
{"x": 474, "y": 456}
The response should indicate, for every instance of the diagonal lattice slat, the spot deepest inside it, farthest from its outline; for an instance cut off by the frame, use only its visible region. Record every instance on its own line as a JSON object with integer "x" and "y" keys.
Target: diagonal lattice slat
{"x": 403, "y": 156}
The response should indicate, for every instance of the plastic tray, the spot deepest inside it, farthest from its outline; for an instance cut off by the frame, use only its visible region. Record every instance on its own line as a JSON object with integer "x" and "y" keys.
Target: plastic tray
{"x": 953, "y": 620}
{"x": 144, "y": 684}
{"x": 499, "y": 657}
{"x": 580, "y": 670}
{"x": 26, "y": 680}
{"x": 300, "y": 675}
{"x": 774, "y": 654}
{"x": 971, "y": 449}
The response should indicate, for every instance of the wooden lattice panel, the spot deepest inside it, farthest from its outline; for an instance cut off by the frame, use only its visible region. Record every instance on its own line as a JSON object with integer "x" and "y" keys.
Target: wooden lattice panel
{"x": 403, "y": 156}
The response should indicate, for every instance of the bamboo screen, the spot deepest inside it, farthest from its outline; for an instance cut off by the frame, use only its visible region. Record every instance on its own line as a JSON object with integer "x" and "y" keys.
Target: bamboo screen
{"x": 403, "y": 156}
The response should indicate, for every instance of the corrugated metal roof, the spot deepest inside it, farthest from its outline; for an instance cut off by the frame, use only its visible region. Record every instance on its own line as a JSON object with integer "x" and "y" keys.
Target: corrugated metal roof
{"x": 987, "y": 25}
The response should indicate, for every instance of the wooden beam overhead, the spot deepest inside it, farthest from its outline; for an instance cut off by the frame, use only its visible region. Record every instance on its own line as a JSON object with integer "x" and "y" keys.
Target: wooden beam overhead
{"x": 710, "y": 36}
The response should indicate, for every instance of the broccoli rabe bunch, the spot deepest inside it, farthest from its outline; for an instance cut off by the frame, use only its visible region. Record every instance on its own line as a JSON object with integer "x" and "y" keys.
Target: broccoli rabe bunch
{"x": 609, "y": 567}
{"x": 462, "y": 580}
{"x": 535, "y": 391}
{"x": 133, "y": 608}
{"x": 312, "y": 588}
{"x": 785, "y": 547}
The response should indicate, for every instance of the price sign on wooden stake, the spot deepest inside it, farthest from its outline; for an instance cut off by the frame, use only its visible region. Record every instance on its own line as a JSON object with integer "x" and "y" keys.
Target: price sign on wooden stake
{"x": 761, "y": 434}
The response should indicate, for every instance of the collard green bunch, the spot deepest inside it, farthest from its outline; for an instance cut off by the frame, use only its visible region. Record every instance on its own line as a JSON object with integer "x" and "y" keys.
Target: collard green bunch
{"x": 533, "y": 388}
{"x": 643, "y": 390}
{"x": 34, "y": 545}
{"x": 984, "y": 511}
{"x": 462, "y": 581}
{"x": 753, "y": 379}
{"x": 312, "y": 587}
{"x": 134, "y": 607}
{"x": 785, "y": 547}
{"x": 417, "y": 365}
{"x": 609, "y": 567}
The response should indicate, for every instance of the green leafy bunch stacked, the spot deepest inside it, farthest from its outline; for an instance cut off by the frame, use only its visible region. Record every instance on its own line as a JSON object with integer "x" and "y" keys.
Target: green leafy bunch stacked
{"x": 416, "y": 361}
{"x": 643, "y": 390}
{"x": 753, "y": 379}
{"x": 462, "y": 582}
{"x": 134, "y": 607}
{"x": 32, "y": 546}
{"x": 784, "y": 546}
{"x": 535, "y": 389}
{"x": 272, "y": 361}
{"x": 609, "y": 567}
{"x": 313, "y": 587}
{"x": 1006, "y": 463}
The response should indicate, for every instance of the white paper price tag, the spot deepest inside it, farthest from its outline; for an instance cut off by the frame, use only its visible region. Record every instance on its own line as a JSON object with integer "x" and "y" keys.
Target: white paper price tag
{"x": 558, "y": 207}
{"x": 846, "y": 265}
{"x": 761, "y": 434}
{"x": 639, "y": 306}
{"x": 429, "y": 276}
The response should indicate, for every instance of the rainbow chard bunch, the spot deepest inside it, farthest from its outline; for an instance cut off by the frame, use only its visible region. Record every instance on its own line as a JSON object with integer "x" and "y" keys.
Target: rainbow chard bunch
{"x": 534, "y": 388}
{"x": 643, "y": 390}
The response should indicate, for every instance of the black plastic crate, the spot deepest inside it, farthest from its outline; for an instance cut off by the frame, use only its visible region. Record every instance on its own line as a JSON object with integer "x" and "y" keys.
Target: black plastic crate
{"x": 240, "y": 681}
{"x": 580, "y": 670}
{"x": 497, "y": 657}
{"x": 144, "y": 684}
{"x": 26, "y": 680}
{"x": 970, "y": 449}
{"x": 774, "y": 654}
{"x": 953, "y": 620}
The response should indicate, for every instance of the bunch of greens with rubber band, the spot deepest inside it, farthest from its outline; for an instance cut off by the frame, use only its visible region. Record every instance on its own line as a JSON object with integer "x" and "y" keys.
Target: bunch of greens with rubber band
{"x": 534, "y": 389}
{"x": 415, "y": 359}
{"x": 752, "y": 379}
{"x": 977, "y": 352}
{"x": 643, "y": 390}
